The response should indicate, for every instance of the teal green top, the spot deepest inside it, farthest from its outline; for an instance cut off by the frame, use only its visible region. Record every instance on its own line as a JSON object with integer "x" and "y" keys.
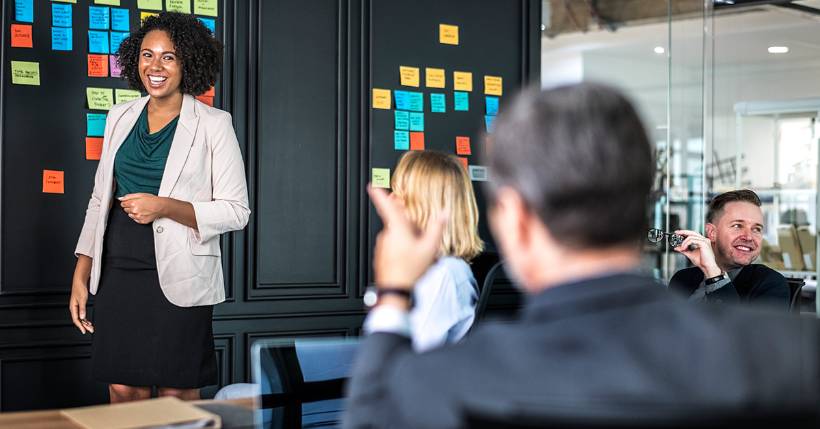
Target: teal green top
{"x": 140, "y": 161}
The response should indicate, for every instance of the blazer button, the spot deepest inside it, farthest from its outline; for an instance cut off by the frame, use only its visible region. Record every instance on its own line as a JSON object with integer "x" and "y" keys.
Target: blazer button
{"x": 160, "y": 229}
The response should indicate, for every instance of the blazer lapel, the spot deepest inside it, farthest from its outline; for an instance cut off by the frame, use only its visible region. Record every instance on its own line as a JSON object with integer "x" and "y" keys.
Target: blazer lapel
{"x": 181, "y": 146}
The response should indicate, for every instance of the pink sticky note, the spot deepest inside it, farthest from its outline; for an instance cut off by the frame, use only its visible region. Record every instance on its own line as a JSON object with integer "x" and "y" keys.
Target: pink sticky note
{"x": 115, "y": 68}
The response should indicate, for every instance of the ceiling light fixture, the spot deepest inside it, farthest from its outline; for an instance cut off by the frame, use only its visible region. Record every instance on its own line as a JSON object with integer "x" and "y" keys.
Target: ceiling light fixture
{"x": 659, "y": 50}
{"x": 778, "y": 49}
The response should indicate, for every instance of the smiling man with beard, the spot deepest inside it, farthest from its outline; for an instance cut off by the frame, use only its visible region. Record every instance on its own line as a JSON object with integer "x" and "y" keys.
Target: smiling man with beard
{"x": 723, "y": 269}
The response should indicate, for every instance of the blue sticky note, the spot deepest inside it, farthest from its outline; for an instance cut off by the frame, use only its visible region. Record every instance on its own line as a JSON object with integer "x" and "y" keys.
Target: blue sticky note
{"x": 24, "y": 10}
{"x": 60, "y": 15}
{"x": 462, "y": 102}
{"x": 492, "y": 106}
{"x": 98, "y": 17}
{"x": 119, "y": 19}
{"x": 437, "y": 103}
{"x": 98, "y": 42}
{"x": 416, "y": 101}
{"x": 61, "y": 39}
{"x": 210, "y": 23}
{"x": 488, "y": 122}
{"x": 116, "y": 39}
{"x": 416, "y": 121}
{"x": 402, "y": 100}
{"x": 401, "y": 140}
{"x": 402, "y": 120}
{"x": 95, "y": 124}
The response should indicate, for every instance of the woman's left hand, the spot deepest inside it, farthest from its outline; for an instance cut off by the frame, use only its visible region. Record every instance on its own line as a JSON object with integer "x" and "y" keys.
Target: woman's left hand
{"x": 143, "y": 208}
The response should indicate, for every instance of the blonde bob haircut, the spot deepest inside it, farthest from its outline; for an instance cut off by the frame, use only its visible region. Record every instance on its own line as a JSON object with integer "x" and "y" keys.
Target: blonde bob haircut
{"x": 430, "y": 182}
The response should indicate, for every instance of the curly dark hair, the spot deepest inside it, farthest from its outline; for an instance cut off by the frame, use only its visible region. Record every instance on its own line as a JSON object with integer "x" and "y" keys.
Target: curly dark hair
{"x": 199, "y": 52}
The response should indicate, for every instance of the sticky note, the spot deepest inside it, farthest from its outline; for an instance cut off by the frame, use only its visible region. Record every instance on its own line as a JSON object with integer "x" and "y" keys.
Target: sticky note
{"x": 416, "y": 121}
{"x": 401, "y": 140}
{"x": 119, "y": 19}
{"x": 479, "y": 173}
{"x": 207, "y": 99}
{"x": 53, "y": 182}
{"x": 210, "y": 92}
{"x": 114, "y": 66}
{"x": 116, "y": 40}
{"x": 464, "y": 162}
{"x": 402, "y": 120}
{"x": 380, "y": 178}
{"x": 488, "y": 122}
{"x": 492, "y": 105}
{"x": 97, "y": 65}
{"x": 66, "y": 1}
{"x": 448, "y": 34}
{"x": 25, "y": 73}
{"x": 205, "y": 7}
{"x": 493, "y": 85}
{"x": 462, "y": 102}
{"x": 60, "y": 15}
{"x": 402, "y": 100}
{"x": 149, "y": 4}
{"x": 181, "y": 6}
{"x": 24, "y": 10}
{"x": 99, "y": 98}
{"x": 463, "y": 81}
{"x": 93, "y": 148}
{"x": 416, "y": 101}
{"x": 124, "y": 95}
{"x": 144, "y": 15}
{"x": 21, "y": 36}
{"x": 438, "y": 103}
{"x": 210, "y": 23}
{"x": 108, "y": 2}
{"x": 381, "y": 98}
{"x": 94, "y": 124}
{"x": 62, "y": 39}
{"x": 97, "y": 42}
{"x": 434, "y": 78}
{"x": 98, "y": 18}
{"x": 409, "y": 76}
{"x": 463, "y": 145}
{"x": 416, "y": 140}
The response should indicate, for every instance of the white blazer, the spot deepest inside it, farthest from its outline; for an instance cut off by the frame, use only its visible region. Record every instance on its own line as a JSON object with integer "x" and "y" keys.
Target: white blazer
{"x": 205, "y": 168}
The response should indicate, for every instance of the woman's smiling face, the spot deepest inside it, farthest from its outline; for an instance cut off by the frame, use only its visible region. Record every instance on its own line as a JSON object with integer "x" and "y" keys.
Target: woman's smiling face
{"x": 159, "y": 67}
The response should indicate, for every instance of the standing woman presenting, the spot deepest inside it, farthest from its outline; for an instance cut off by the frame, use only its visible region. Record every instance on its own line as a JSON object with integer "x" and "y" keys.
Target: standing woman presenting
{"x": 170, "y": 180}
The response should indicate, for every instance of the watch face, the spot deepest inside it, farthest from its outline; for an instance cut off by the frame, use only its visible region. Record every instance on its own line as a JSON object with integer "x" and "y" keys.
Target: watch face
{"x": 370, "y": 297}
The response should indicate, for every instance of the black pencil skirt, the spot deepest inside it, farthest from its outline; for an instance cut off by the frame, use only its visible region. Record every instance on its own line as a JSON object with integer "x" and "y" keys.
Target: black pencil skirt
{"x": 140, "y": 338}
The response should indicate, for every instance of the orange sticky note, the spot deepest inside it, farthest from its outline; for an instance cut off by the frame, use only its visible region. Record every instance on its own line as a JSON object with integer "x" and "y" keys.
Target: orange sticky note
{"x": 381, "y": 98}
{"x": 93, "y": 147}
{"x": 416, "y": 140}
{"x": 97, "y": 65}
{"x": 21, "y": 36}
{"x": 493, "y": 85}
{"x": 463, "y": 145}
{"x": 209, "y": 100}
{"x": 463, "y": 162}
{"x": 209, "y": 93}
{"x": 53, "y": 182}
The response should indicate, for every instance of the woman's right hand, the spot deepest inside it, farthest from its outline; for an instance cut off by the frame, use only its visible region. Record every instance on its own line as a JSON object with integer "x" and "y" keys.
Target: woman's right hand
{"x": 79, "y": 295}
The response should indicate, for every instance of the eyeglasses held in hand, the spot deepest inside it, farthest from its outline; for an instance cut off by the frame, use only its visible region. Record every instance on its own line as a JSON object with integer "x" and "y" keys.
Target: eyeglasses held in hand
{"x": 675, "y": 240}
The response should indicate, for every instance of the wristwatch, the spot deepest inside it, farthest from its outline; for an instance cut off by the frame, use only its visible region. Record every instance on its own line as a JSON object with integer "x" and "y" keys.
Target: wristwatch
{"x": 715, "y": 279}
{"x": 372, "y": 295}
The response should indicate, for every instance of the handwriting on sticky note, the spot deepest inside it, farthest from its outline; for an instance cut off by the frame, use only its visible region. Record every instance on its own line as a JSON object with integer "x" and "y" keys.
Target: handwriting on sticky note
{"x": 21, "y": 36}
{"x": 125, "y": 95}
{"x": 463, "y": 81}
{"x": 492, "y": 105}
{"x": 205, "y": 7}
{"x": 401, "y": 140}
{"x": 61, "y": 39}
{"x": 434, "y": 78}
{"x": 98, "y": 18}
{"x": 23, "y": 10}
{"x": 25, "y": 73}
{"x": 181, "y": 6}
{"x": 99, "y": 98}
{"x": 207, "y": 99}
{"x": 114, "y": 66}
{"x": 416, "y": 140}
{"x": 97, "y": 42}
{"x": 94, "y": 124}
{"x": 462, "y": 102}
{"x": 60, "y": 15}
{"x": 493, "y": 85}
{"x": 149, "y": 4}
{"x": 53, "y": 182}
{"x": 93, "y": 148}
{"x": 116, "y": 41}
{"x": 409, "y": 76}
{"x": 97, "y": 65}
{"x": 119, "y": 19}
{"x": 402, "y": 120}
{"x": 448, "y": 34}
{"x": 108, "y": 2}
{"x": 380, "y": 178}
{"x": 438, "y": 103}
{"x": 381, "y": 98}
{"x": 416, "y": 121}
{"x": 463, "y": 145}
{"x": 416, "y": 101}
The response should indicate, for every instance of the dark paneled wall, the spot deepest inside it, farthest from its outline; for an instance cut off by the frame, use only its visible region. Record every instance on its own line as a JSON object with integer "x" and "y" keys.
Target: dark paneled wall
{"x": 297, "y": 80}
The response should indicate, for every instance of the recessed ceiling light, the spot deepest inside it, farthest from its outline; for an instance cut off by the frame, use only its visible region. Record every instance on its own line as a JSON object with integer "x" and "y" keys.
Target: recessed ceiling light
{"x": 659, "y": 49}
{"x": 778, "y": 49}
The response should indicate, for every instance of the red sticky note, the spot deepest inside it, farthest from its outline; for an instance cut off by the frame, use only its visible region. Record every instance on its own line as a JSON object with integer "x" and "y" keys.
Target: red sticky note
{"x": 93, "y": 147}
{"x": 97, "y": 65}
{"x": 53, "y": 182}
{"x": 209, "y": 93}
{"x": 206, "y": 99}
{"x": 463, "y": 145}
{"x": 21, "y": 36}
{"x": 463, "y": 162}
{"x": 416, "y": 140}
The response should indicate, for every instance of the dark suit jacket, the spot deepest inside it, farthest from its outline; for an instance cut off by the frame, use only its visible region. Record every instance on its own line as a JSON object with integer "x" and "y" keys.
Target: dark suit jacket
{"x": 755, "y": 283}
{"x": 602, "y": 347}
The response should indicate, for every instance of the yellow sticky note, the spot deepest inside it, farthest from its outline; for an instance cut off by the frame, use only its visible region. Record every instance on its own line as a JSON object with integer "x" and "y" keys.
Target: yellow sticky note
{"x": 381, "y": 98}
{"x": 25, "y": 73}
{"x": 149, "y": 4}
{"x": 409, "y": 76}
{"x": 144, "y": 15}
{"x": 181, "y": 6}
{"x": 463, "y": 81}
{"x": 100, "y": 98}
{"x": 380, "y": 178}
{"x": 448, "y": 34}
{"x": 205, "y": 7}
{"x": 123, "y": 95}
{"x": 493, "y": 85}
{"x": 108, "y": 2}
{"x": 434, "y": 78}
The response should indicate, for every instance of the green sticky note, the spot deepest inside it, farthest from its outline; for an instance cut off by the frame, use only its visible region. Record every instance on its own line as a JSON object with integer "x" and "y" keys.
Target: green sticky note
{"x": 108, "y": 2}
{"x": 123, "y": 95}
{"x": 205, "y": 7}
{"x": 66, "y": 1}
{"x": 149, "y": 4}
{"x": 25, "y": 73}
{"x": 181, "y": 6}
{"x": 380, "y": 178}
{"x": 100, "y": 98}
